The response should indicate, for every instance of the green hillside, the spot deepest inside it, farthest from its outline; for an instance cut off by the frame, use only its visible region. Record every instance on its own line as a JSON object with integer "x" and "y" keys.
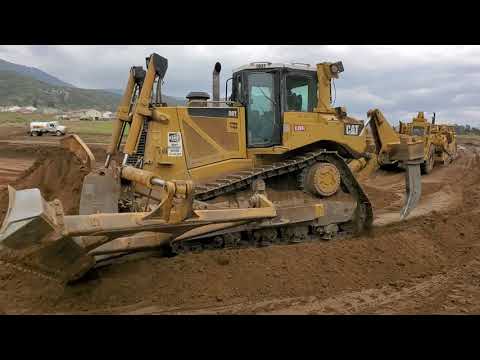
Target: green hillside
{"x": 22, "y": 90}
{"x": 33, "y": 73}
{"x": 170, "y": 100}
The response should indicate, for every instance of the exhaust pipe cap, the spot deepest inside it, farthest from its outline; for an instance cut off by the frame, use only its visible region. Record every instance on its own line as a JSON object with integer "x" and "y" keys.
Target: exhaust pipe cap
{"x": 198, "y": 95}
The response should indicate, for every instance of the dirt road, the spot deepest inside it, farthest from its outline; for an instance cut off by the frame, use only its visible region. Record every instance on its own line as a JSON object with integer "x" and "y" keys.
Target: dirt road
{"x": 427, "y": 264}
{"x": 17, "y": 135}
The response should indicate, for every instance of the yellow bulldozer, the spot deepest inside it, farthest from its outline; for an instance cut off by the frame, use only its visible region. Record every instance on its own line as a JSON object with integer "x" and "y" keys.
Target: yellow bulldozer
{"x": 271, "y": 163}
{"x": 440, "y": 141}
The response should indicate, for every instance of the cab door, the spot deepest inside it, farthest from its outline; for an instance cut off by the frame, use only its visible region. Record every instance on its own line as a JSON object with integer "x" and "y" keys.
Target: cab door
{"x": 264, "y": 125}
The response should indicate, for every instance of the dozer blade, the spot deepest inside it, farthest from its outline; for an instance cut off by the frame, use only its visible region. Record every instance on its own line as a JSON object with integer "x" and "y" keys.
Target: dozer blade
{"x": 31, "y": 238}
{"x": 37, "y": 236}
{"x": 31, "y": 235}
{"x": 75, "y": 145}
{"x": 413, "y": 188}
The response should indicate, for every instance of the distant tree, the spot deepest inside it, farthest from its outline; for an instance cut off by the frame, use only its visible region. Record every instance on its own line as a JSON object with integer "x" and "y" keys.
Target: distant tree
{"x": 466, "y": 130}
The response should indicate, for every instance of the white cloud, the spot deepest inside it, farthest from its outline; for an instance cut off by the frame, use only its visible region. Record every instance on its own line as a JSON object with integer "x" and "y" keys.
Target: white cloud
{"x": 363, "y": 95}
{"x": 399, "y": 79}
{"x": 422, "y": 91}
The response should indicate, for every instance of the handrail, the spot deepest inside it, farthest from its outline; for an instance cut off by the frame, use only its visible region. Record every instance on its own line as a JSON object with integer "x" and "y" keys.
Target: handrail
{"x": 214, "y": 102}
{"x": 297, "y": 63}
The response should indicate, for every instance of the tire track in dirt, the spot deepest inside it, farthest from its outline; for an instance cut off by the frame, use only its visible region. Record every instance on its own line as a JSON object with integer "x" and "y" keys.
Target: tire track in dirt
{"x": 454, "y": 289}
{"x": 401, "y": 297}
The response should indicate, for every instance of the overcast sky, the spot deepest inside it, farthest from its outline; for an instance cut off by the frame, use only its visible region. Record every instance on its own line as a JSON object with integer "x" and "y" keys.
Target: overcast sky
{"x": 400, "y": 80}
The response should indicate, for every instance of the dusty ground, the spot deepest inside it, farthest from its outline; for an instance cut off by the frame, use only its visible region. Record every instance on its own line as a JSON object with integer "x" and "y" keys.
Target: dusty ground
{"x": 92, "y": 132}
{"x": 427, "y": 264}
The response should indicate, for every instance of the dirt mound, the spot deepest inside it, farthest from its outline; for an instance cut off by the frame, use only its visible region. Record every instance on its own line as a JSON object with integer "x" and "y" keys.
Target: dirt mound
{"x": 57, "y": 173}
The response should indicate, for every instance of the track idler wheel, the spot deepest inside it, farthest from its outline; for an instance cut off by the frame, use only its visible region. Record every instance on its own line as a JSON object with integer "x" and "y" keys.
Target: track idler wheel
{"x": 322, "y": 179}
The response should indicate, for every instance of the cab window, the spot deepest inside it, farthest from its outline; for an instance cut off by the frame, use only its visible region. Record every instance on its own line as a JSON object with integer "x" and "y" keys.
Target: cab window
{"x": 262, "y": 123}
{"x": 237, "y": 90}
{"x": 299, "y": 93}
{"x": 418, "y": 131}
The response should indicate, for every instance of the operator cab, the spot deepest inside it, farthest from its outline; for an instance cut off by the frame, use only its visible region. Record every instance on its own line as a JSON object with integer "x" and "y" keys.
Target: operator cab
{"x": 268, "y": 90}
{"x": 418, "y": 131}
{"x": 420, "y": 126}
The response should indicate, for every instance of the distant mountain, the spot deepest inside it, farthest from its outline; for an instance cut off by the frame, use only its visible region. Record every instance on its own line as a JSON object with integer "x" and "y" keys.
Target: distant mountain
{"x": 24, "y": 90}
{"x": 170, "y": 100}
{"x": 115, "y": 91}
{"x": 32, "y": 72}
{"x": 28, "y": 86}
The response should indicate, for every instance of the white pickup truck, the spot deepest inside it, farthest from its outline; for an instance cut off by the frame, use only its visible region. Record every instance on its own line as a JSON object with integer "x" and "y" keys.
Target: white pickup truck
{"x": 46, "y": 127}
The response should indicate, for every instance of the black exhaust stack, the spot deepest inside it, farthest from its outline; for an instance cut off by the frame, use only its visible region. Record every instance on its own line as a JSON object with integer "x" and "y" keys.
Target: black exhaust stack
{"x": 216, "y": 82}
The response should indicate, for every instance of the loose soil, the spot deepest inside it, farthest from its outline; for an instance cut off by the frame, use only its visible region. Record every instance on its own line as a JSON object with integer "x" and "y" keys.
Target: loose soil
{"x": 57, "y": 173}
{"x": 426, "y": 264}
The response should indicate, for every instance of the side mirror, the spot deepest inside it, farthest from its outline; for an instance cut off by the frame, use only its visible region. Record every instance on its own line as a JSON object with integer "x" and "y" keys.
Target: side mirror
{"x": 336, "y": 68}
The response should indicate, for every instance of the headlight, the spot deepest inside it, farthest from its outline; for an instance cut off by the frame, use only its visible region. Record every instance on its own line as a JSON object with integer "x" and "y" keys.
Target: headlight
{"x": 336, "y": 67}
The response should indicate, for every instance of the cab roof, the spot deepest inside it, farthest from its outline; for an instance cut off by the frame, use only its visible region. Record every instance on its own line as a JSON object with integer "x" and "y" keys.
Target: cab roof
{"x": 259, "y": 65}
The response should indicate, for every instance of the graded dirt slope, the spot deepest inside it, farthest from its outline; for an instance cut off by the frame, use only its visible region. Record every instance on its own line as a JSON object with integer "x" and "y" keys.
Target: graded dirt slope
{"x": 428, "y": 264}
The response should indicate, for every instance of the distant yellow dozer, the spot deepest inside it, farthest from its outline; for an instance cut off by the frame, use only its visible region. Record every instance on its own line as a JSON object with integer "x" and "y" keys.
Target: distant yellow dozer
{"x": 440, "y": 141}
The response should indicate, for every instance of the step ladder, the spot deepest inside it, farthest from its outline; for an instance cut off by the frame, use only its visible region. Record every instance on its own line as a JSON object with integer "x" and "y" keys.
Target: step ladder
{"x": 133, "y": 160}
